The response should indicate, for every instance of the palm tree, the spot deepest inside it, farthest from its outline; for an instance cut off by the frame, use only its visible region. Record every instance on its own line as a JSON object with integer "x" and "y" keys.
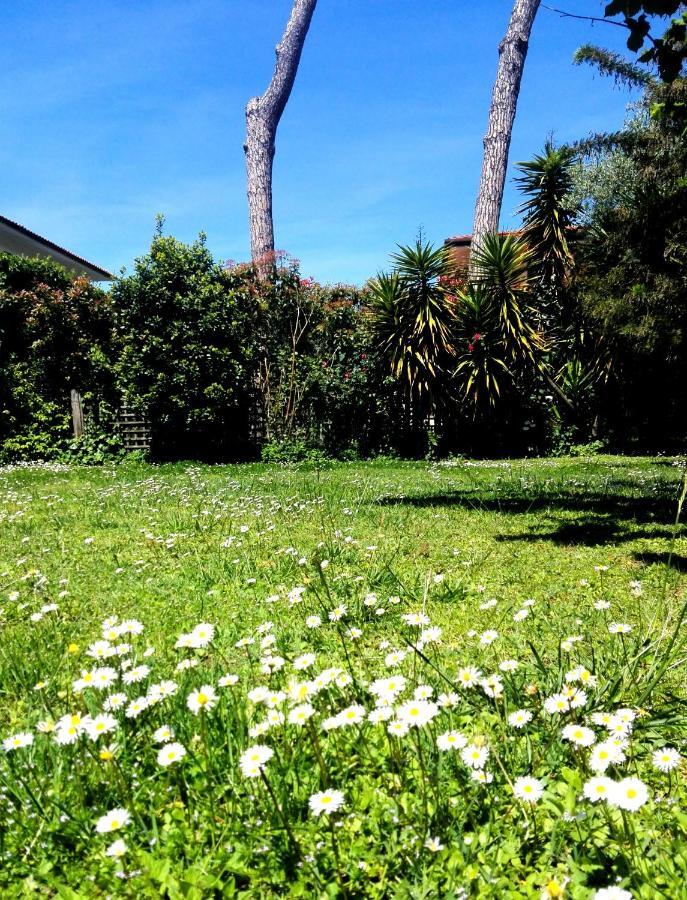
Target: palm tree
{"x": 413, "y": 319}
{"x": 548, "y": 214}
{"x": 495, "y": 338}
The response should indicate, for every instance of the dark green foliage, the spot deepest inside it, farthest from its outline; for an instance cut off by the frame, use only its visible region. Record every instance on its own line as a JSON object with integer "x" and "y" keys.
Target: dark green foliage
{"x": 669, "y": 52}
{"x": 613, "y": 65}
{"x": 55, "y": 336}
{"x": 413, "y": 319}
{"x": 548, "y": 217}
{"x": 189, "y": 348}
{"x": 496, "y": 342}
{"x": 323, "y": 382}
{"x": 633, "y": 278}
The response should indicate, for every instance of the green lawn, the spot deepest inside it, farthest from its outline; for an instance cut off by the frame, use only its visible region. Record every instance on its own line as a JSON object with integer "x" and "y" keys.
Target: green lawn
{"x": 467, "y": 543}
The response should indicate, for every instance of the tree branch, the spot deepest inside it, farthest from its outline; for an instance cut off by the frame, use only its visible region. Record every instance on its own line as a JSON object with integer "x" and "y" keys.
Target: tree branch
{"x": 569, "y": 15}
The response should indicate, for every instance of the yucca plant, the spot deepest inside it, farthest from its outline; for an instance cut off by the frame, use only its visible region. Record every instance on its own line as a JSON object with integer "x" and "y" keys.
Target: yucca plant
{"x": 495, "y": 338}
{"x": 548, "y": 214}
{"x": 413, "y": 318}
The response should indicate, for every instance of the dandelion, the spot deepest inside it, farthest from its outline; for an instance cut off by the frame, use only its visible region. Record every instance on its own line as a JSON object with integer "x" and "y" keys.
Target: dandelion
{"x": 253, "y": 760}
{"x": 666, "y": 759}
{"x": 553, "y": 889}
{"x": 528, "y": 789}
{"x": 519, "y": 718}
{"x": 170, "y": 753}
{"x": 327, "y": 802}
{"x": 202, "y": 700}
{"x": 113, "y": 821}
{"x": 628, "y": 794}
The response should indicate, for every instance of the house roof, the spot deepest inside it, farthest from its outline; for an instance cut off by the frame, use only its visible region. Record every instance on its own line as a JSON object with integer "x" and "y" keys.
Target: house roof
{"x": 464, "y": 240}
{"x": 15, "y": 238}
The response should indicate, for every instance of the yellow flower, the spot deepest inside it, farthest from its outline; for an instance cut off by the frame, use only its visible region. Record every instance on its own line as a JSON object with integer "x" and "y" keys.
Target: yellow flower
{"x": 73, "y": 648}
{"x": 552, "y": 889}
{"x": 106, "y": 754}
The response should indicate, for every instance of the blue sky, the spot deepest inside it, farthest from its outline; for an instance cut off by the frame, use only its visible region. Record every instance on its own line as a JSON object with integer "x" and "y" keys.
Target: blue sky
{"x": 112, "y": 111}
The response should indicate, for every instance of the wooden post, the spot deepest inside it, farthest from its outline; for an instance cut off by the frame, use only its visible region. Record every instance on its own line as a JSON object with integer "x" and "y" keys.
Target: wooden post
{"x": 77, "y": 414}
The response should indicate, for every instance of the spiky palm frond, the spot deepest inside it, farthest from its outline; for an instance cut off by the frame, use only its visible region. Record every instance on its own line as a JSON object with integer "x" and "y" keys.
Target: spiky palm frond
{"x": 481, "y": 368}
{"x": 548, "y": 216}
{"x": 503, "y": 269}
{"x": 413, "y": 316}
{"x": 495, "y": 339}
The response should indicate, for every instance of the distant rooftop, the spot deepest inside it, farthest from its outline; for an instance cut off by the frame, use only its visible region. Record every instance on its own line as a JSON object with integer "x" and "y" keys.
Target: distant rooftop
{"x": 15, "y": 238}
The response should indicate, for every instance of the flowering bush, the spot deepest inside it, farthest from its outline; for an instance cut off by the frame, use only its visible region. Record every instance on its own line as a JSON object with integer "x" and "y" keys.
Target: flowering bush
{"x": 56, "y": 335}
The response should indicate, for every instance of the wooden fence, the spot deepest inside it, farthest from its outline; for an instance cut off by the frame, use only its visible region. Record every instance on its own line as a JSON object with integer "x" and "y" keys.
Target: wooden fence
{"x": 132, "y": 427}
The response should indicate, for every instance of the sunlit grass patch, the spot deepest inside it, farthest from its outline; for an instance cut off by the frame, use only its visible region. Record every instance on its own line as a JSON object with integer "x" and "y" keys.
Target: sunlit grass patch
{"x": 392, "y": 679}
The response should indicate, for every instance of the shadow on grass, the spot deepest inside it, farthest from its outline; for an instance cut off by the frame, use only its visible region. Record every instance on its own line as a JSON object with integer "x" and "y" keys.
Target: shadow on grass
{"x": 575, "y": 518}
{"x": 677, "y": 562}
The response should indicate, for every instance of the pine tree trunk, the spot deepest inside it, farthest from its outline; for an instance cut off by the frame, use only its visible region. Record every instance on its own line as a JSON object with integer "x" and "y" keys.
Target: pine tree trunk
{"x": 504, "y": 100}
{"x": 262, "y": 118}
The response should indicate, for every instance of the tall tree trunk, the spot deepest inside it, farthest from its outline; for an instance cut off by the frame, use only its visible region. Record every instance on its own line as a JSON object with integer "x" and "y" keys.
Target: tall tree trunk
{"x": 504, "y": 100}
{"x": 262, "y": 118}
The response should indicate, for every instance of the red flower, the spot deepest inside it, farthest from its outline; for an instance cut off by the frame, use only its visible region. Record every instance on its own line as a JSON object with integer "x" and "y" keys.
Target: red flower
{"x": 346, "y": 376}
{"x": 477, "y": 336}
{"x": 471, "y": 347}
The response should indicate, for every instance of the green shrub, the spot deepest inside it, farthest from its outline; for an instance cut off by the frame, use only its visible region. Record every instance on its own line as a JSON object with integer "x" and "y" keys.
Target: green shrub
{"x": 55, "y": 335}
